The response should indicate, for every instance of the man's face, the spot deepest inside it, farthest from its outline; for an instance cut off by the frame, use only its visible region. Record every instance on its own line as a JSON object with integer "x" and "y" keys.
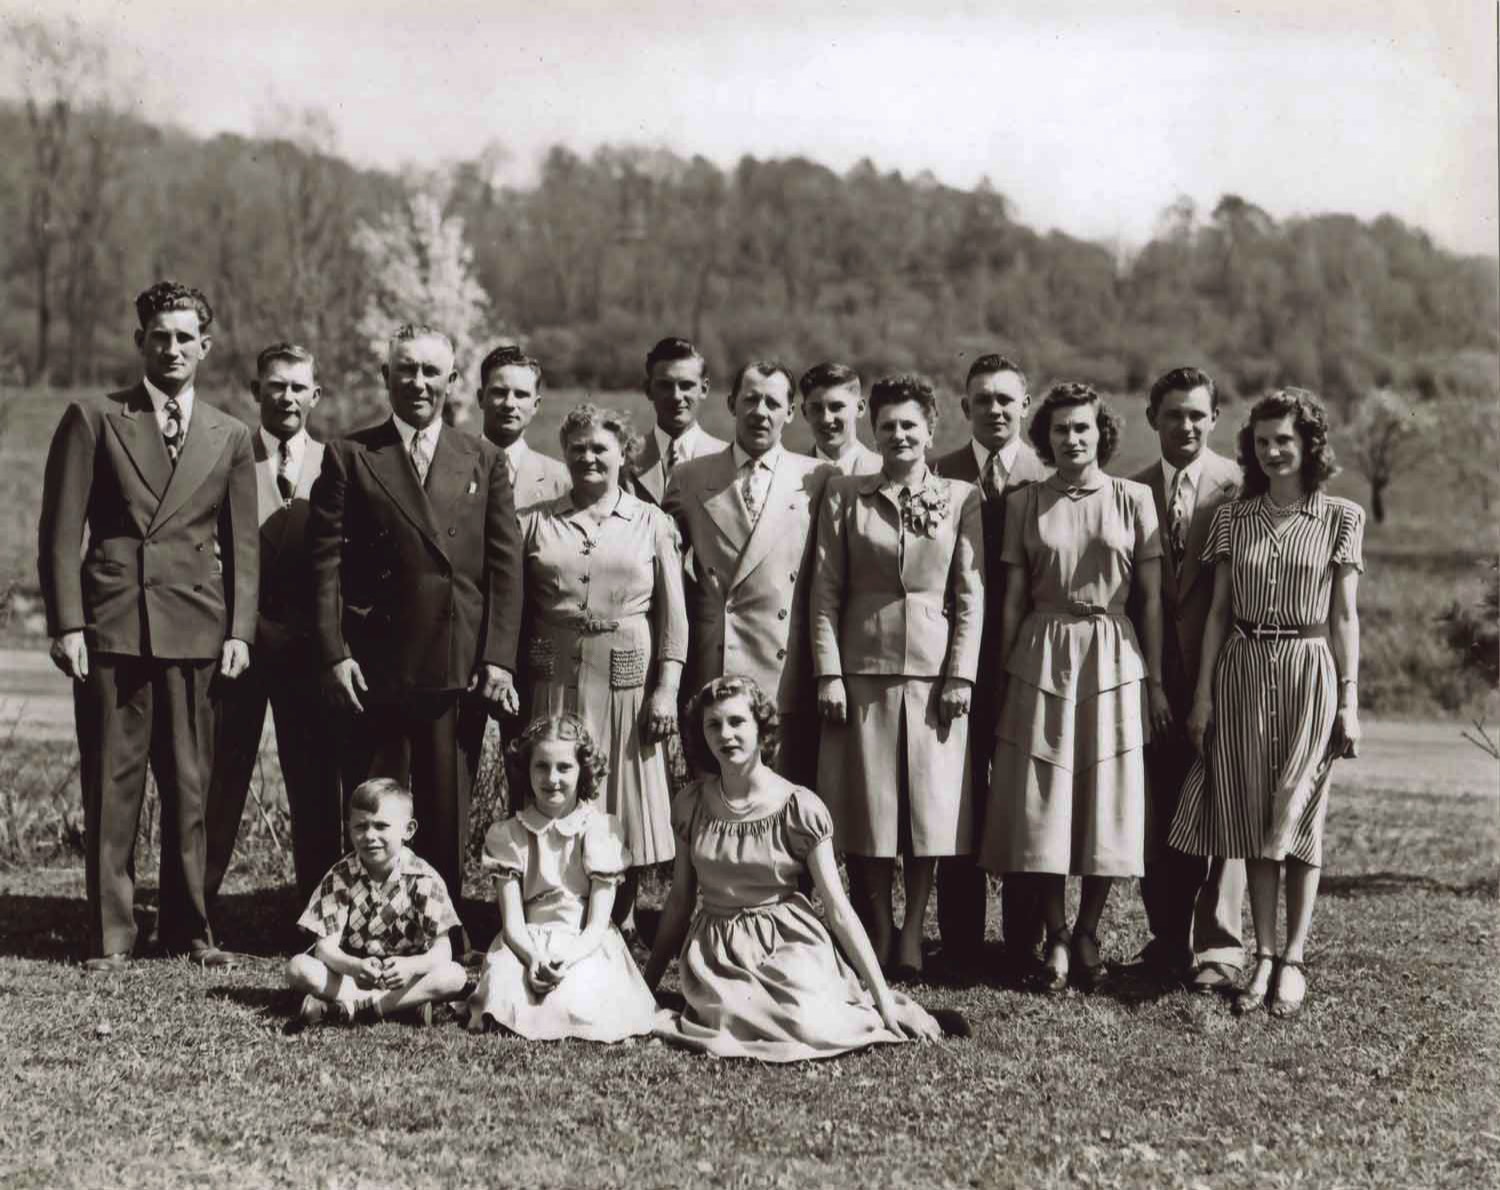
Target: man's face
{"x": 832, "y": 414}
{"x": 1183, "y": 422}
{"x": 286, "y": 393}
{"x": 995, "y": 404}
{"x": 676, "y": 389}
{"x": 417, "y": 377}
{"x": 172, "y": 345}
{"x": 761, "y": 409}
{"x": 509, "y": 400}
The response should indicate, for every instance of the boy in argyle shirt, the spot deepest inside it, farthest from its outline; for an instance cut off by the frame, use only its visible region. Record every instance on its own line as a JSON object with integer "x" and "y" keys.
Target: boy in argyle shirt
{"x": 381, "y": 917}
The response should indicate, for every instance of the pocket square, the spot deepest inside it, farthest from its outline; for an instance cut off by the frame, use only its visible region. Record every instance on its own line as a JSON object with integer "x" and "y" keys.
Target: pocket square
{"x": 473, "y": 486}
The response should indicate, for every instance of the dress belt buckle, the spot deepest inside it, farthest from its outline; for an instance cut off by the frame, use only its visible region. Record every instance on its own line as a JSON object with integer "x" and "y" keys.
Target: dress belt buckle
{"x": 1076, "y": 607}
{"x": 593, "y": 625}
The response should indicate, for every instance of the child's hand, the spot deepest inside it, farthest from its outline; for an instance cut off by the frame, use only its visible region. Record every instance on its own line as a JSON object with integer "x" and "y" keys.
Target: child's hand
{"x": 543, "y": 975}
{"x": 396, "y": 972}
{"x": 371, "y": 972}
{"x": 914, "y": 1021}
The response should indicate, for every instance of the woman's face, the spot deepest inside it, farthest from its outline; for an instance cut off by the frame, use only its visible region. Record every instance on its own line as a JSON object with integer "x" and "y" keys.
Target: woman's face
{"x": 1278, "y": 447}
{"x": 1074, "y": 434}
{"x": 902, "y": 432}
{"x": 732, "y": 734}
{"x": 554, "y": 777}
{"x": 594, "y": 458}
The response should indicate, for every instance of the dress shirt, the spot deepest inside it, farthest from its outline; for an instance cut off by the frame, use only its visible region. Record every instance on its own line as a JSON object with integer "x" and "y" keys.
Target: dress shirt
{"x": 844, "y": 456}
{"x": 429, "y": 436}
{"x": 1007, "y": 461}
{"x": 1191, "y": 474}
{"x": 159, "y": 401}
{"x": 766, "y": 463}
{"x": 685, "y": 442}
{"x": 296, "y": 452}
{"x": 514, "y": 453}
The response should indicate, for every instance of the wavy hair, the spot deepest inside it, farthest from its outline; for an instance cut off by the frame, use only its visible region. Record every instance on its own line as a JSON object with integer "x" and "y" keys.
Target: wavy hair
{"x": 1063, "y": 396}
{"x": 767, "y": 720}
{"x": 1311, "y": 420}
{"x": 588, "y": 416}
{"x": 593, "y": 765}
{"x": 906, "y": 386}
{"x": 172, "y": 295}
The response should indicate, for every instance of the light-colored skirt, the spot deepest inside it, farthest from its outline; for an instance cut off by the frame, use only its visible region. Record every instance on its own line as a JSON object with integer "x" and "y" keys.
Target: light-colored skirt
{"x": 603, "y": 998}
{"x": 860, "y": 770}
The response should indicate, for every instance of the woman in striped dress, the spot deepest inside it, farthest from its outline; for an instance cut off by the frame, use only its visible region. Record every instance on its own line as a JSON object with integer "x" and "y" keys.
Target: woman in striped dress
{"x": 1277, "y": 700}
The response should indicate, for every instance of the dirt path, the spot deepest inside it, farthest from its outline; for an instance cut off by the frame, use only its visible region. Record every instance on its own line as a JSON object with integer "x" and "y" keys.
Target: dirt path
{"x": 1429, "y": 755}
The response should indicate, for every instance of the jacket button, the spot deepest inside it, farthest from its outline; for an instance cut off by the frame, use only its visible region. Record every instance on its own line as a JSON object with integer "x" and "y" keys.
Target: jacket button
{"x": 583, "y": 578}
{"x": 780, "y": 654}
{"x": 793, "y": 576}
{"x": 452, "y": 532}
{"x": 198, "y": 547}
{"x": 781, "y": 615}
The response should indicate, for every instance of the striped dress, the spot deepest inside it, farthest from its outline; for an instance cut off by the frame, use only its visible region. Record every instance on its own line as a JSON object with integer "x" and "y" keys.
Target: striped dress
{"x": 1263, "y": 790}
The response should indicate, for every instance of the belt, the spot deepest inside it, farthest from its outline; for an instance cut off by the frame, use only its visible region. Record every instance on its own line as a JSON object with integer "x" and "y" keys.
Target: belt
{"x": 587, "y": 623}
{"x": 1253, "y": 631}
{"x": 1076, "y": 607}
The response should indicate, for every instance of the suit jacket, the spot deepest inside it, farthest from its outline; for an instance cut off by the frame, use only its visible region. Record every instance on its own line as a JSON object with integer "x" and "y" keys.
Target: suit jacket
{"x": 1028, "y": 469}
{"x": 748, "y": 598}
{"x": 285, "y": 631}
{"x": 859, "y": 461}
{"x": 650, "y": 479}
{"x": 877, "y": 612}
{"x": 418, "y": 586}
{"x": 1187, "y": 592}
{"x": 171, "y": 568}
{"x": 540, "y": 478}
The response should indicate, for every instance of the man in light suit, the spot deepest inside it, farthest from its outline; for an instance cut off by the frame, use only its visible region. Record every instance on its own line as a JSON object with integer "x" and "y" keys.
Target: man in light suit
{"x": 999, "y": 460}
{"x": 286, "y": 673}
{"x": 510, "y": 393}
{"x": 746, "y": 514}
{"x": 676, "y": 385}
{"x": 161, "y": 604}
{"x": 1193, "y": 904}
{"x": 417, "y": 579}
{"x": 833, "y": 404}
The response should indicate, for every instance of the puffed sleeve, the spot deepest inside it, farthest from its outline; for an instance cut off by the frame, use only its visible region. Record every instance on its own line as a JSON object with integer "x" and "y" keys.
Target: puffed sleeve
{"x": 506, "y": 850}
{"x": 605, "y": 855}
{"x": 684, "y": 806}
{"x": 1018, "y": 507}
{"x": 1349, "y": 536}
{"x": 1216, "y": 547}
{"x": 808, "y": 822}
{"x": 668, "y": 597}
{"x": 1147, "y": 531}
{"x": 830, "y": 576}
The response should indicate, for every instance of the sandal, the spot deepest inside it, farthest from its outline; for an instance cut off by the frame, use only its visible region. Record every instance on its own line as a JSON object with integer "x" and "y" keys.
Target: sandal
{"x": 1284, "y": 1007}
{"x": 1054, "y": 973}
{"x": 1252, "y": 998}
{"x": 1087, "y": 975}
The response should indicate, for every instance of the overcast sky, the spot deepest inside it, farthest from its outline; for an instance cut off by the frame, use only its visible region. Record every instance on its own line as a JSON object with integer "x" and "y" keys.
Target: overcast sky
{"x": 1090, "y": 117}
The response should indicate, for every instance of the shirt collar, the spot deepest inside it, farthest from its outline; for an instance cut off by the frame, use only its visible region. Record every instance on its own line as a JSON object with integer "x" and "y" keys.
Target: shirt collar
{"x": 625, "y": 507}
{"x": 429, "y": 435}
{"x": 685, "y": 441}
{"x": 1058, "y": 483}
{"x": 1192, "y": 475}
{"x": 1312, "y": 505}
{"x": 742, "y": 456}
{"x": 914, "y": 485}
{"x": 1007, "y": 454}
{"x": 296, "y": 445}
{"x": 395, "y": 871}
{"x": 568, "y": 825}
{"x": 515, "y": 452}
{"x": 843, "y": 455}
{"x": 159, "y": 399}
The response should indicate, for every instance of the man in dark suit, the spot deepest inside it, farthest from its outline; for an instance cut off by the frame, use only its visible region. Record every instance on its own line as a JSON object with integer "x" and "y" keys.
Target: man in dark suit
{"x": 162, "y": 602}
{"x": 1193, "y": 904}
{"x": 286, "y": 671}
{"x": 416, "y": 557}
{"x": 998, "y": 459}
{"x": 676, "y": 385}
{"x": 510, "y": 393}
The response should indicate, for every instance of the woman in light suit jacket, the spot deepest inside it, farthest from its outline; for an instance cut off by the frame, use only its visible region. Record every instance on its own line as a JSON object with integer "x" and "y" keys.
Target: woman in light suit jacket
{"x": 897, "y": 609}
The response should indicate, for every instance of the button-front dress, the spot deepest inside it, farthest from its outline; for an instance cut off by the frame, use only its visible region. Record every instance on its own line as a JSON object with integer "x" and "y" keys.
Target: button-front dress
{"x": 1069, "y": 778}
{"x": 604, "y": 607}
{"x": 1263, "y": 792}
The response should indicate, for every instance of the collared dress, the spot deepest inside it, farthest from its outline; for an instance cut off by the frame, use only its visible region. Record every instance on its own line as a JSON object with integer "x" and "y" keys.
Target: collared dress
{"x": 1069, "y": 777}
{"x": 404, "y": 914}
{"x": 760, "y": 973}
{"x": 1263, "y": 791}
{"x": 604, "y": 607}
{"x": 557, "y": 861}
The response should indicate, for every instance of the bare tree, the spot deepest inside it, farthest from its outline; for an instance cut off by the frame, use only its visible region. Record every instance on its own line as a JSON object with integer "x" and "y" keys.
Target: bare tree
{"x": 1386, "y": 429}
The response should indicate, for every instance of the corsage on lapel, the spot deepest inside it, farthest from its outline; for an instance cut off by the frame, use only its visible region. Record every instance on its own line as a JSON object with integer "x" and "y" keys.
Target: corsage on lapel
{"x": 927, "y": 508}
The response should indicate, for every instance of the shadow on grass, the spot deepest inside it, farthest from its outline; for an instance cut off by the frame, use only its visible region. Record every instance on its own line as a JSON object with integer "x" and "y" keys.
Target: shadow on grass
{"x": 48, "y": 928}
{"x": 1375, "y": 884}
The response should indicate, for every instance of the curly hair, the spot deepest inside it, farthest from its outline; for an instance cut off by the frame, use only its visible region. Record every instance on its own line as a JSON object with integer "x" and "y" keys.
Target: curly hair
{"x": 172, "y": 295}
{"x": 906, "y": 386}
{"x": 1311, "y": 420}
{"x": 588, "y": 416}
{"x": 1065, "y": 395}
{"x": 767, "y": 720}
{"x": 593, "y": 764}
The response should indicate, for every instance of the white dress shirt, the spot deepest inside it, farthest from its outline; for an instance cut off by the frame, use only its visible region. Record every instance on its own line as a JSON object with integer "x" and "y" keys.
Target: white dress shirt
{"x": 514, "y": 453}
{"x": 1005, "y": 464}
{"x": 429, "y": 436}
{"x": 760, "y": 470}
{"x": 159, "y": 401}
{"x": 842, "y": 462}
{"x": 686, "y": 442}
{"x": 1191, "y": 474}
{"x": 296, "y": 452}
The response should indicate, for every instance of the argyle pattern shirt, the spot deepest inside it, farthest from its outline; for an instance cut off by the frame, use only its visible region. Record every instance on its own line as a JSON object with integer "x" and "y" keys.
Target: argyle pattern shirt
{"x": 404, "y": 915}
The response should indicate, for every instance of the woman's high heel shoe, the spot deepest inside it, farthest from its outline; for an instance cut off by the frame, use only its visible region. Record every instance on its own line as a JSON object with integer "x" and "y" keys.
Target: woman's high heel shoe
{"x": 1087, "y": 975}
{"x": 1252, "y": 997}
{"x": 1054, "y": 973}
{"x": 1286, "y": 1007}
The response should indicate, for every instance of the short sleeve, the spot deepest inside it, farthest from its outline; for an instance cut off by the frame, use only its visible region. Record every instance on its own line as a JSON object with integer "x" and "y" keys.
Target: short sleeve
{"x": 1147, "y": 530}
{"x": 327, "y": 913}
{"x": 1018, "y": 507}
{"x": 808, "y": 822}
{"x": 1216, "y": 547}
{"x": 506, "y": 850}
{"x": 684, "y": 808}
{"x": 605, "y": 855}
{"x": 1349, "y": 537}
{"x": 430, "y": 900}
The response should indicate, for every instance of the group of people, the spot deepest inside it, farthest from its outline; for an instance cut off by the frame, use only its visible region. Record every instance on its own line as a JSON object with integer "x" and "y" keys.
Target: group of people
{"x": 1002, "y": 661}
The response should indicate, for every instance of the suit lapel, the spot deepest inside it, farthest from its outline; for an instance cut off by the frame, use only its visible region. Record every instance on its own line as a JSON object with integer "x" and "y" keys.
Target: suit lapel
{"x": 650, "y": 473}
{"x": 207, "y": 432}
{"x": 267, "y": 494}
{"x": 1212, "y": 487}
{"x": 393, "y": 471}
{"x": 135, "y": 426}
{"x": 772, "y": 517}
{"x": 722, "y": 502}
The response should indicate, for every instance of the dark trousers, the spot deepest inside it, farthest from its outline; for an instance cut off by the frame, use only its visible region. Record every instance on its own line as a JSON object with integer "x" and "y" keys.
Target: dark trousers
{"x": 308, "y": 752}
{"x": 131, "y": 711}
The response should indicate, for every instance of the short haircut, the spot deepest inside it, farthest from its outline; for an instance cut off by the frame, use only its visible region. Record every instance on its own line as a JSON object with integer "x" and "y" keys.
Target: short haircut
{"x": 408, "y": 331}
{"x": 767, "y": 720}
{"x": 172, "y": 295}
{"x": 293, "y": 352}
{"x": 1066, "y": 395}
{"x": 368, "y": 795}
{"x": 593, "y": 763}
{"x": 764, "y": 368}
{"x": 991, "y": 363}
{"x": 827, "y": 375}
{"x": 588, "y": 416}
{"x": 1318, "y": 462}
{"x": 907, "y": 386}
{"x": 1183, "y": 380}
{"x": 509, "y": 355}
{"x": 672, "y": 349}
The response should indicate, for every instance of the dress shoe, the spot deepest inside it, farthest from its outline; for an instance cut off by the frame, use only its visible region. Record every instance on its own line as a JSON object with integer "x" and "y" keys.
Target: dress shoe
{"x": 1085, "y": 974}
{"x": 109, "y": 964}
{"x": 1284, "y": 1007}
{"x": 1213, "y": 976}
{"x": 210, "y": 958}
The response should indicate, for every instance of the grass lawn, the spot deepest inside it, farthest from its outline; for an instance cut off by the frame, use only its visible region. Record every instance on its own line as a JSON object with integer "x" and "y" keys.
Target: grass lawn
{"x": 167, "y": 1074}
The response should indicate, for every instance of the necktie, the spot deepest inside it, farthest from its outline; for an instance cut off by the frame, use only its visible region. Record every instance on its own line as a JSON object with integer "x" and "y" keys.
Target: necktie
{"x": 420, "y": 458}
{"x": 284, "y": 483}
{"x": 1177, "y": 519}
{"x": 171, "y": 433}
{"x": 671, "y": 455}
{"x": 753, "y": 486}
{"x": 992, "y": 481}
